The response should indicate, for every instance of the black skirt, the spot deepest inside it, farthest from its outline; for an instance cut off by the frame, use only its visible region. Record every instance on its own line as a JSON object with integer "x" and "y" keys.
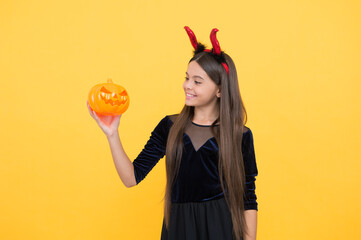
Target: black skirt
{"x": 209, "y": 220}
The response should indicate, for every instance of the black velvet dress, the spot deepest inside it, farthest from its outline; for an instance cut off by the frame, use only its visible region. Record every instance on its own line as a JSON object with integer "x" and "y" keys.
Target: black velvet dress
{"x": 199, "y": 210}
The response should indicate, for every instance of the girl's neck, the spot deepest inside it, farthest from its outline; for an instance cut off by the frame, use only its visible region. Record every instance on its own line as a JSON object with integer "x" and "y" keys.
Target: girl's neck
{"x": 205, "y": 116}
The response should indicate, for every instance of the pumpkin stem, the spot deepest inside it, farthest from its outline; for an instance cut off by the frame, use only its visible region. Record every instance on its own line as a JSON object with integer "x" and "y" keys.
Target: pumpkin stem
{"x": 110, "y": 80}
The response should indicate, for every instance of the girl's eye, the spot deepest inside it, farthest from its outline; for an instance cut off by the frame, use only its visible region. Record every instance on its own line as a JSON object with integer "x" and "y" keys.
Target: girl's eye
{"x": 197, "y": 82}
{"x": 186, "y": 78}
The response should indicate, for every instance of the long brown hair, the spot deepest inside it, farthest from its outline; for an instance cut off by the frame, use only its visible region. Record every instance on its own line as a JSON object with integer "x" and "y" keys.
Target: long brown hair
{"x": 232, "y": 118}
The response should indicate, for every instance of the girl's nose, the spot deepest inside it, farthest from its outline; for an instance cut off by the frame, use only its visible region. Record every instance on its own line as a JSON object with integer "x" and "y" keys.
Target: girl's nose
{"x": 188, "y": 84}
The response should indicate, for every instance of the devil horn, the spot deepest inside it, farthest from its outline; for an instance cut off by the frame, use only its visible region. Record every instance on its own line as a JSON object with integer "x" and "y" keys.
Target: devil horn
{"x": 192, "y": 37}
{"x": 215, "y": 43}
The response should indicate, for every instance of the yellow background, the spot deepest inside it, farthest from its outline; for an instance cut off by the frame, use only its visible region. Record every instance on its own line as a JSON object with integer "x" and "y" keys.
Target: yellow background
{"x": 299, "y": 70}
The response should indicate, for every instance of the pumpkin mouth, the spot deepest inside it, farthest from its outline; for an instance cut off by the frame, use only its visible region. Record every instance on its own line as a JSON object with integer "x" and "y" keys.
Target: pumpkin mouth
{"x": 113, "y": 98}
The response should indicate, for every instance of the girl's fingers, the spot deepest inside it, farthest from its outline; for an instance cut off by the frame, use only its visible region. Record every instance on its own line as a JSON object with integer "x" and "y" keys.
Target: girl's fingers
{"x": 92, "y": 113}
{"x": 97, "y": 119}
{"x": 104, "y": 121}
{"x": 117, "y": 119}
{"x": 90, "y": 110}
{"x": 95, "y": 116}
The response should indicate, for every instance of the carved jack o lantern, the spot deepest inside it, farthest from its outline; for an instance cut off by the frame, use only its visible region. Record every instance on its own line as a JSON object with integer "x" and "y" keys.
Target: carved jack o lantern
{"x": 108, "y": 98}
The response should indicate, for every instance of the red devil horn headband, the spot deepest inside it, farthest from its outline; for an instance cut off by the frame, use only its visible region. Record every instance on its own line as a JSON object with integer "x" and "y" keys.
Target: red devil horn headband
{"x": 214, "y": 41}
{"x": 192, "y": 37}
{"x": 216, "y": 48}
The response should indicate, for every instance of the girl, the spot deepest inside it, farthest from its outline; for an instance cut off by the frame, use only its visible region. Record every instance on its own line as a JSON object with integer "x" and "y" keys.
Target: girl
{"x": 210, "y": 159}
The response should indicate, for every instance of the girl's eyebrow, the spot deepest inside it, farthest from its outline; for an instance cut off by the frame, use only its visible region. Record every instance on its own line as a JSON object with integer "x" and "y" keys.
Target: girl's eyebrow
{"x": 196, "y": 76}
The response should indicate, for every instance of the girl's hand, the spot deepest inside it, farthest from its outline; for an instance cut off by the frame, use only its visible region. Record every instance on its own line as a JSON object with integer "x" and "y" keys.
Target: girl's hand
{"x": 109, "y": 124}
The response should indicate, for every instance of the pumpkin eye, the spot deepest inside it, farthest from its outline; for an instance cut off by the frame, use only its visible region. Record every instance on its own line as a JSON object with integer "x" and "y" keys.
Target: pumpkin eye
{"x": 103, "y": 89}
{"x": 123, "y": 93}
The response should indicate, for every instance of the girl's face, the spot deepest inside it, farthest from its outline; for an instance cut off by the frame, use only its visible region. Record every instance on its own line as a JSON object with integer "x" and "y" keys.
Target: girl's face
{"x": 199, "y": 88}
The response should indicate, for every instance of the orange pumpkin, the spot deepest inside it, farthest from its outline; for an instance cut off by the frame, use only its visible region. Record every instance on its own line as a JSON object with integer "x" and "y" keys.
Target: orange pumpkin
{"x": 108, "y": 98}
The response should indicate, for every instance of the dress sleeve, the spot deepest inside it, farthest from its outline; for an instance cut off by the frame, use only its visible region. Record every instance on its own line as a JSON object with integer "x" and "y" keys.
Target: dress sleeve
{"x": 153, "y": 151}
{"x": 251, "y": 171}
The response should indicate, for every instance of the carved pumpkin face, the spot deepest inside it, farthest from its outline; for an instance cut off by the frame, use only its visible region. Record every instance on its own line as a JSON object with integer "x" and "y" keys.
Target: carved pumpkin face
{"x": 108, "y": 99}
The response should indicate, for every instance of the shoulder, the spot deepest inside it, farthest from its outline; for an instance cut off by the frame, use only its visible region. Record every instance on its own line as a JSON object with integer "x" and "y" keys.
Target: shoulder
{"x": 167, "y": 121}
{"x": 247, "y": 134}
{"x": 172, "y": 117}
{"x": 246, "y": 130}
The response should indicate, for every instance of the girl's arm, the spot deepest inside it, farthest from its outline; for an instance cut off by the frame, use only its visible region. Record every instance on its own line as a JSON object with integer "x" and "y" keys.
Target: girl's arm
{"x": 251, "y": 171}
{"x": 251, "y": 221}
{"x": 122, "y": 162}
{"x": 109, "y": 125}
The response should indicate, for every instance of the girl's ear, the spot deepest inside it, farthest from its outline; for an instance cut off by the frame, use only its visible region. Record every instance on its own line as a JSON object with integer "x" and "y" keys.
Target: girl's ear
{"x": 218, "y": 94}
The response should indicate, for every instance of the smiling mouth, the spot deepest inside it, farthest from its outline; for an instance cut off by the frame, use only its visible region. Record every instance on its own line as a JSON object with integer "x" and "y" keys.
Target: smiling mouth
{"x": 190, "y": 95}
